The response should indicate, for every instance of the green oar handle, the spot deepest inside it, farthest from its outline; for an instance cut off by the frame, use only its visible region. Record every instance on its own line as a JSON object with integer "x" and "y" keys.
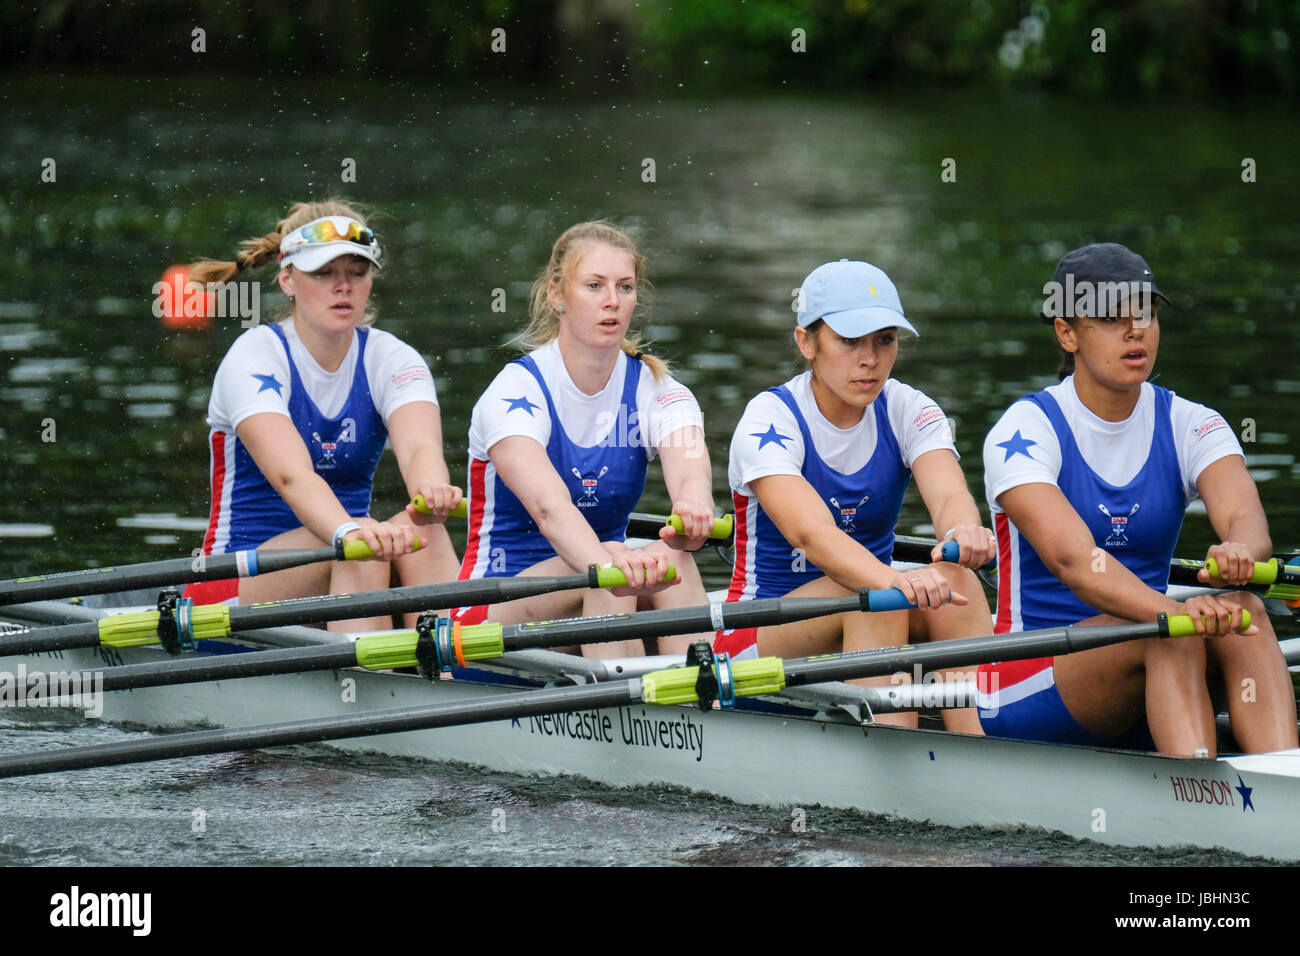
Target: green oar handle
{"x": 460, "y": 511}
{"x": 1265, "y": 571}
{"x": 721, "y": 531}
{"x": 358, "y": 550}
{"x": 1181, "y": 625}
{"x": 722, "y": 527}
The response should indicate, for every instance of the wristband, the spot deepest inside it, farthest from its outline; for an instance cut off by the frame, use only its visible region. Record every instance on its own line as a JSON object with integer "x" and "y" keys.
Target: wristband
{"x": 345, "y": 528}
{"x": 948, "y": 534}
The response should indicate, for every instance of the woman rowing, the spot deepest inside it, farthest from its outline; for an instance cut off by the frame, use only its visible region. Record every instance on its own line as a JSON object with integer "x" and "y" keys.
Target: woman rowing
{"x": 299, "y": 414}
{"x": 560, "y": 441}
{"x": 818, "y": 470}
{"x": 1088, "y": 481}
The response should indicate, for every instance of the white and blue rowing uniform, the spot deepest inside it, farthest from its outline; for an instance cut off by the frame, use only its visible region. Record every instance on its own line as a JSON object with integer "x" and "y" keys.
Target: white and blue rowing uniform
{"x": 599, "y": 445}
{"x": 340, "y": 416}
{"x": 861, "y": 473}
{"x": 605, "y": 481}
{"x": 1130, "y": 482}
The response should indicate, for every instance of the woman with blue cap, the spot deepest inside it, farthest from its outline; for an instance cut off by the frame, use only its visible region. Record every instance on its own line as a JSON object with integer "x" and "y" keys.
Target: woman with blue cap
{"x": 818, "y": 470}
{"x": 1088, "y": 482}
{"x": 299, "y": 415}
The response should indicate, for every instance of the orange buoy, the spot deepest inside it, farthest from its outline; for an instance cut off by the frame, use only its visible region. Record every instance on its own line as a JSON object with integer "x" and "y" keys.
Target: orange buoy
{"x": 182, "y": 304}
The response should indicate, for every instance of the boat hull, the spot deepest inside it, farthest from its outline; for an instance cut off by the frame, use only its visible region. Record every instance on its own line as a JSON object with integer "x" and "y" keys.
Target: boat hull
{"x": 794, "y": 760}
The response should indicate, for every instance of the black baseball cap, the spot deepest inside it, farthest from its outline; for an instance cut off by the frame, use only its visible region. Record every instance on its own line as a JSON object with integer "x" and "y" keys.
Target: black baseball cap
{"x": 1101, "y": 262}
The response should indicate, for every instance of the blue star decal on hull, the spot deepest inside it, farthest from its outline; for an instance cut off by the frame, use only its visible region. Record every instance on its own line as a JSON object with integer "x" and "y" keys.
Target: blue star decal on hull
{"x": 1017, "y": 444}
{"x": 269, "y": 383}
{"x": 520, "y": 402}
{"x": 770, "y": 436}
{"x": 1245, "y": 792}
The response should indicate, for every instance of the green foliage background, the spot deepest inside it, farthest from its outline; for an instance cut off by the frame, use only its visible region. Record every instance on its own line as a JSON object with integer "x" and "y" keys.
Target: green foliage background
{"x": 1191, "y": 47}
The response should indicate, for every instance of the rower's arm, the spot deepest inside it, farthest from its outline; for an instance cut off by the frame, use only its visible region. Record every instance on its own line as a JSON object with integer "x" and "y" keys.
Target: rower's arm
{"x": 1233, "y": 504}
{"x": 522, "y": 463}
{"x": 688, "y": 476}
{"x": 1045, "y": 518}
{"x": 278, "y": 450}
{"x": 1235, "y": 511}
{"x": 806, "y": 523}
{"x": 943, "y": 489}
{"x": 415, "y": 430}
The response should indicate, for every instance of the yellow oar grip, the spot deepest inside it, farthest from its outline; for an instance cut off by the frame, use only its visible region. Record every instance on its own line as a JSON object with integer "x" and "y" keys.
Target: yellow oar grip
{"x": 1265, "y": 571}
{"x": 721, "y": 530}
{"x": 1180, "y": 625}
{"x": 460, "y": 511}
{"x": 614, "y": 578}
{"x": 358, "y": 550}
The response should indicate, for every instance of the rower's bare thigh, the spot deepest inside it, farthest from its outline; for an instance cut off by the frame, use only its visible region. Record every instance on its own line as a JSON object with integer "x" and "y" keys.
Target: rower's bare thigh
{"x": 1104, "y": 689}
{"x": 305, "y": 581}
{"x": 833, "y": 633}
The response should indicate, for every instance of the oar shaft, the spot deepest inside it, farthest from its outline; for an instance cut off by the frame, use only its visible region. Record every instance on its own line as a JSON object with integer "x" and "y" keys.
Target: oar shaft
{"x": 963, "y": 652}
{"x": 722, "y": 615}
{"x": 219, "y": 621}
{"x": 319, "y": 729}
{"x": 193, "y": 670}
{"x": 208, "y": 567}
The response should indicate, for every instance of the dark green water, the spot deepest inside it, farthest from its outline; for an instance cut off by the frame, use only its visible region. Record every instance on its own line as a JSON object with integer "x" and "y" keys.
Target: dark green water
{"x": 749, "y": 195}
{"x": 471, "y": 191}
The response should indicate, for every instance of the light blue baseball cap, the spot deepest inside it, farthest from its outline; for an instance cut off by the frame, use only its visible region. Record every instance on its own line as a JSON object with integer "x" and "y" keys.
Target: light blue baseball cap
{"x": 853, "y": 298}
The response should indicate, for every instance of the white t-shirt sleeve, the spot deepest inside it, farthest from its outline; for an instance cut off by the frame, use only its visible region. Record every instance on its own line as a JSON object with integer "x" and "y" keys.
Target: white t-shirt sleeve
{"x": 767, "y": 441}
{"x": 665, "y": 407}
{"x": 1202, "y": 436}
{"x": 918, "y": 422}
{"x": 397, "y": 373}
{"x": 1021, "y": 449}
{"x": 252, "y": 378}
{"x": 512, "y": 405}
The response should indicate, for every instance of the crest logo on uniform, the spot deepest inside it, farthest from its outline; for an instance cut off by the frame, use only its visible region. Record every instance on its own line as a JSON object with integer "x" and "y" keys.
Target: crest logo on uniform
{"x": 1118, "y": 526}
{"x": 589, "y": 485}
{"x": 347, "y": 433}
{"x": 847, "y": 513}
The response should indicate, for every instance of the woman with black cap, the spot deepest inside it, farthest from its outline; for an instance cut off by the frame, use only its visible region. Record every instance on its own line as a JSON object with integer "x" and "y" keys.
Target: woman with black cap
{"x": 1088, "y": 482}
{"x": 818, "y": 470}
{"x": 299, "y": 416}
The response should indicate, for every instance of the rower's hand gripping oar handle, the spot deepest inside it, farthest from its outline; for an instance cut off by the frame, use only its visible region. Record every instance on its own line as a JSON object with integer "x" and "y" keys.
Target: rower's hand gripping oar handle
{"x": 358, "y": 550}
{"x": 1269, "y": 573}
{"x": 1181, "y": 625}
{"x": 720, "y": 532}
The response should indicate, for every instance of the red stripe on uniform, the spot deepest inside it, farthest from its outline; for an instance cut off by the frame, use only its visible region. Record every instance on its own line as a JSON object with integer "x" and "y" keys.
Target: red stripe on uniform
{"x": 477, "y": 483}
{"x": 1003, "y": 529}
{"x": 218, "y": 487}
{"x": 741, "y": 504}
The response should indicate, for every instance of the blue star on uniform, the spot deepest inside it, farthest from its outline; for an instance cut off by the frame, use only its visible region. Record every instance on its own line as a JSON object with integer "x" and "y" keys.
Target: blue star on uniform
{"x": 520, "y": 402}
{"x": 771, "y": 435}
{"x": 1245, "y": 792}
{"x": 269, "y": 383}
{"x": 1017, "y": 445}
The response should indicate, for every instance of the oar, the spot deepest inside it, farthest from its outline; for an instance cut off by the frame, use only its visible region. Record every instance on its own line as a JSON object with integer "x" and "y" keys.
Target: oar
{"x": 638, "y": 525}
{"x": 205, "y": 567}
{"x": 1273, "y": 578}
{"x": 720, "y": 680}
{"x": 198, "y": 622}
{"x": 446, "y": 644}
